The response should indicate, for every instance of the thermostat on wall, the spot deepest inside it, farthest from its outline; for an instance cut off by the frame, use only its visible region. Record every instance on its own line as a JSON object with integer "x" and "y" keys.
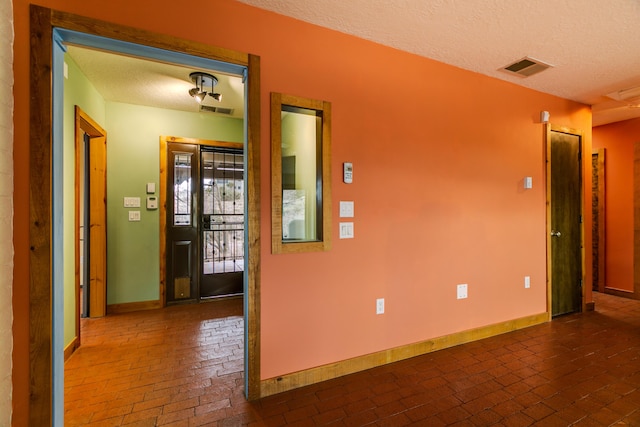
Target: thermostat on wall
{"x": 152, "y": 202}
{"x": 348, "y": 173}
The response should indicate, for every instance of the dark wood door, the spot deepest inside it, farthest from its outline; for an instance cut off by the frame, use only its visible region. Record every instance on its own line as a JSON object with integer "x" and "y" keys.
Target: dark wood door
{"x": 566, "y": 252}
{"x": 182, "y": 223}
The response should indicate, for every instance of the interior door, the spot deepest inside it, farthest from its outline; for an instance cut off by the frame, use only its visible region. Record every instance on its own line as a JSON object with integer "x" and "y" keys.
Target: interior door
{"x": 182, "y": 223}
{"x": 90, "y": 216}
{"x": 566, "y": 216}
{"x": 222, "y": 219}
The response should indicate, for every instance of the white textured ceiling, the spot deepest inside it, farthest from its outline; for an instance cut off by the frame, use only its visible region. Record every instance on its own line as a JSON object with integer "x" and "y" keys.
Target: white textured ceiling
{"x": 593, "y": 46}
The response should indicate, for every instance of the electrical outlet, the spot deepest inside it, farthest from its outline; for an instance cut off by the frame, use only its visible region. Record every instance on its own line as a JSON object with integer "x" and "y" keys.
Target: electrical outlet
{"x": 380, "y": 306}
{"x": 527, "y": 282}
{"x": 462, "y": 291}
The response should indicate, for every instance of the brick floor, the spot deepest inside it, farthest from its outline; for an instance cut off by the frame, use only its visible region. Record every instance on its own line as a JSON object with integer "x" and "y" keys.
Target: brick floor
{"x": 182, "y": 366}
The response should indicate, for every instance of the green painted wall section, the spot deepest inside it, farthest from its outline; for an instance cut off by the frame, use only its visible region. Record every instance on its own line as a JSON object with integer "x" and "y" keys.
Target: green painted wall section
{"x": 77, "y": 91}
{"x": 133, "y": 160}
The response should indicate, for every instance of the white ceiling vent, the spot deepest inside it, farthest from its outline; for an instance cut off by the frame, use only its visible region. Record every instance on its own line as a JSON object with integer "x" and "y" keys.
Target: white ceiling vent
{"x": 631, "y": 95}
{"x": 219, "y": 110}
{"x": 526, "y": 67}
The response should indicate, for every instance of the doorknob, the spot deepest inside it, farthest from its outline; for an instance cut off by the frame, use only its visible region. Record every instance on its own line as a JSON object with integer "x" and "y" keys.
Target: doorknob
{"x": 555, "y": 233}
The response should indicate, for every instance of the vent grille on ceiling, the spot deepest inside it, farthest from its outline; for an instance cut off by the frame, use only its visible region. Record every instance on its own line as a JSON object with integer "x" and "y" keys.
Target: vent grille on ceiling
{"x": 526, "y": 67}
{"x": 631, "y": 95}
{"x": 219, "y": 110}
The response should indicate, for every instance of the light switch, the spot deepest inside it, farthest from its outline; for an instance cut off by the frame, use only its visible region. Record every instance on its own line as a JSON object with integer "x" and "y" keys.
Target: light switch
{"x": 134, "y": 215}
{"x": 132, "y": 202}
{"x": 151, "y": 187}
{"x": 346, "y": 230}
{"x": 462, "y": 291}
{"x": 346, "y": 209}
{"x": 528, "y": 182}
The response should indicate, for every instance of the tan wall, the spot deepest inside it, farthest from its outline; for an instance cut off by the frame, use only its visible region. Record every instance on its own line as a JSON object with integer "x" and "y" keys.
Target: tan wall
{"x": 6, "y": 208}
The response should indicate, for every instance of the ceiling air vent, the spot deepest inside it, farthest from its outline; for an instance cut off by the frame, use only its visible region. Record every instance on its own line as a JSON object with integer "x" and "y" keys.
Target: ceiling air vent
{"x": 631, "y": 95}
{"x": 526, "y": 67}
{"x": 219, "y": 110}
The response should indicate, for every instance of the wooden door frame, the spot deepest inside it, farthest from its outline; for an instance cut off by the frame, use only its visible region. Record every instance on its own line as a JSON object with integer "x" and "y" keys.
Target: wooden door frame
{"x": 600, "y": 167}
{"x": 43, "y": 21}
{"x": 164, "y": 168}
{"x": 547, "y": 129}
{"x": 85, "y": 124}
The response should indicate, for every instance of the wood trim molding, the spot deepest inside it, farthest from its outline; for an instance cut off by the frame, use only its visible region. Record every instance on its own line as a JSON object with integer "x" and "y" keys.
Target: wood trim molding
{"x": 128, "y": 307}
{"x": 600, "y": 168}
{"x": 71, "y": 348}
{"x": 334, "y": 370}
{"x": 546, "y": 136}
{"x": 252, "y": 301}
{"x": 40, "y": 226}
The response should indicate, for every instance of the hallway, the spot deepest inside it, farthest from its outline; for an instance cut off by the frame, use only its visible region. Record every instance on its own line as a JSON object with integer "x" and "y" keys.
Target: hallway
{"x": 182, "y": 366}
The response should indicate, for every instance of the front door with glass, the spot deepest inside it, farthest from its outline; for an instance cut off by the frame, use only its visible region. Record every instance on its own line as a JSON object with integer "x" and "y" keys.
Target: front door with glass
{"x": 222, "y": 232}
{"x": 205, "y": 222}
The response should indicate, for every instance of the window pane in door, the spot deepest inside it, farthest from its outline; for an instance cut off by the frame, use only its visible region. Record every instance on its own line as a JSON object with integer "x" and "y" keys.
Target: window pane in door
{"x": 182, "y": 189}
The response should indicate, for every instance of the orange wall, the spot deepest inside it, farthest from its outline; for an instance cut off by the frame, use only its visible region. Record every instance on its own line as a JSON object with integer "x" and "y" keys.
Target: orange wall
{"x": 439, "y": 158}
{"x": 618, "y": 140}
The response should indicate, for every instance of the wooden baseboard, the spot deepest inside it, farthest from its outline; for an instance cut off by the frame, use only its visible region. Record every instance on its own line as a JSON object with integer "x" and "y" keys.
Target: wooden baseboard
{"x": 128, "y": 307}
{"x": 70, "y": 348}
{"x": 621, "y": 293}
{"x": 334, "y": 370}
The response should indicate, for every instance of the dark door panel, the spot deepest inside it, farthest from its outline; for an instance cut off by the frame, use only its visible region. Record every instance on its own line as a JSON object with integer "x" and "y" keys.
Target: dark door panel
{"x": 182, "y": 223}
{"x": 566, "y": 252}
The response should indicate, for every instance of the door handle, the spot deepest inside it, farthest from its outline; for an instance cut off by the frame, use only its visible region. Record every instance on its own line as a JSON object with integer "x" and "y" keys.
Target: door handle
{"x": 555, "y": 233}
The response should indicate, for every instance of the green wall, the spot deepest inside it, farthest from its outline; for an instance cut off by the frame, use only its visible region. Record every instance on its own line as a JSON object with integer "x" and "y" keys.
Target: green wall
{"x": 133, "y": 160}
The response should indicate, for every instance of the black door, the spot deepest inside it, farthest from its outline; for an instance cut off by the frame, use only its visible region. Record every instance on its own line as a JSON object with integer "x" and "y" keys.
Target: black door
{"x": 182, "y": 223}
{"x": 222, "y": 220}
{"x": 205, "y": 222}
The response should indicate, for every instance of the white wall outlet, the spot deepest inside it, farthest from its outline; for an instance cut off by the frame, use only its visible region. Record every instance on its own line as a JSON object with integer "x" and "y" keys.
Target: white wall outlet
{"x": 380, "y": 306}
{"x": 134, "y": 215}
{"x": 462, "y": 291}
{"x": 527, "y": 282}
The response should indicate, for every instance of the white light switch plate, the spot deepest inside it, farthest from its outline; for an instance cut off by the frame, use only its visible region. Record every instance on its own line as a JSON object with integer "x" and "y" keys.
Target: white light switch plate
{"x": 380, "y": 306}
{"x": 346, "y": 230}
{"x": 462, "y": 291}
{"x": 132, "y": 202}
{"x": 527, "y": 282}
{"x": 346, "y": 209}
{"x": 134, "y": 215}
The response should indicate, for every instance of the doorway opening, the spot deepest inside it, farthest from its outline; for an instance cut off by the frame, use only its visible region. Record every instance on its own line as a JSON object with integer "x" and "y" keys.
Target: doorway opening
{"x": 50, "y": 30}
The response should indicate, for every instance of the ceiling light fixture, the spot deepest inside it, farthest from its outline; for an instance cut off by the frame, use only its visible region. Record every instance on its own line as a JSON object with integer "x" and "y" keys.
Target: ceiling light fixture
{"x": 202, "y": 80}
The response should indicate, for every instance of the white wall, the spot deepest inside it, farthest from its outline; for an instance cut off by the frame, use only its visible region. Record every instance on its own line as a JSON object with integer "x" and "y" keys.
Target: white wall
{"x": 6, "y": 208}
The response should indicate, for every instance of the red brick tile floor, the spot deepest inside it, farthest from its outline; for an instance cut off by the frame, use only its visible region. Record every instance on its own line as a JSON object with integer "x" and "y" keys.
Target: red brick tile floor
{"x": 183, "y": 366}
